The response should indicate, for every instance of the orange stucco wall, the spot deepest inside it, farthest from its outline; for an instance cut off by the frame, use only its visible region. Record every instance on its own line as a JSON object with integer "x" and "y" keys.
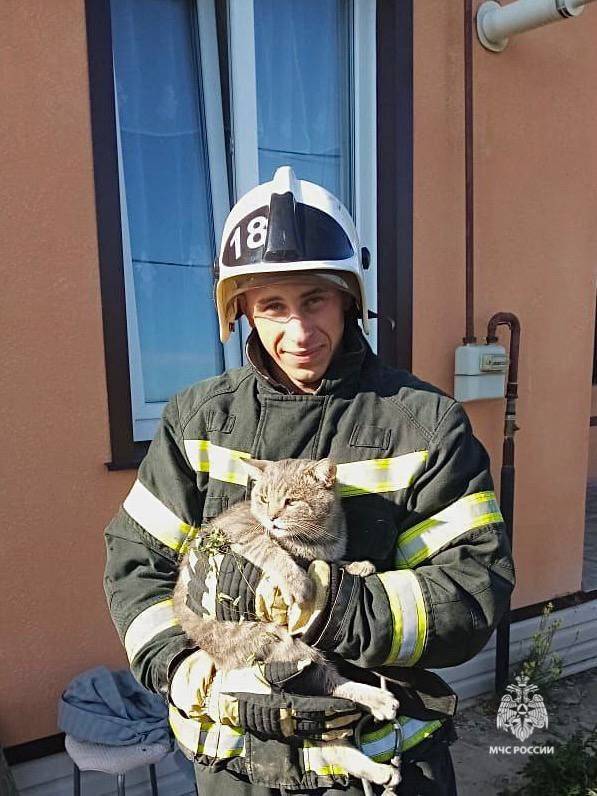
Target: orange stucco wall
{"x": 536, "y": 255}
{"x": 536, "y": 165}
{"x": 592, "y": 469}
{"x": 57, "y": 493}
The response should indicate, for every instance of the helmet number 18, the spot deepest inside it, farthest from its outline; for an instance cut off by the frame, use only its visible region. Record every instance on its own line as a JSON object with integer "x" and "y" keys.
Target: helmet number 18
{"x": 256, "y": 232}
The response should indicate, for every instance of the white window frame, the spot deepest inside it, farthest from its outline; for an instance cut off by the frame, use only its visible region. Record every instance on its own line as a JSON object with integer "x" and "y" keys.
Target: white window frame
{"x": 146, "y": 415}
{"x": 243, "y": 94}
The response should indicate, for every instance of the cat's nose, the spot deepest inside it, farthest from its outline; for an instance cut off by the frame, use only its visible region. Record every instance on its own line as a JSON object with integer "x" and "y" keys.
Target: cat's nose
{"x": 274, "y": 511}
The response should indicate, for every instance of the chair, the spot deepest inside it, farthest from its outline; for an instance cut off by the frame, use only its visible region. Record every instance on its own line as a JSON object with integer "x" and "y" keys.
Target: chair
{"x": 115, "y": 760}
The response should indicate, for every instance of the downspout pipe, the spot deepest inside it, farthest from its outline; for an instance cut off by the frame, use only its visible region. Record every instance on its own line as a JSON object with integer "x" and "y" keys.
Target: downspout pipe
{"x": 496, "y": 23}
{"x": 507, "y": 480}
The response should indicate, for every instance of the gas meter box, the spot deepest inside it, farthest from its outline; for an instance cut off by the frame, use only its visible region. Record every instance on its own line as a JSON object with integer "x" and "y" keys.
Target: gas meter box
{"x": 480, "y": 372}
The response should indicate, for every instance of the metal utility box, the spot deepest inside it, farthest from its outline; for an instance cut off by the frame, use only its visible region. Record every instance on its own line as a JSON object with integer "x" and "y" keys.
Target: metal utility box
{"x": 480, "y": 372}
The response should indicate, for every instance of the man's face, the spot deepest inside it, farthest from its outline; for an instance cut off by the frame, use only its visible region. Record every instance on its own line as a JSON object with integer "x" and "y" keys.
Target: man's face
{"x": 300, "y": 325}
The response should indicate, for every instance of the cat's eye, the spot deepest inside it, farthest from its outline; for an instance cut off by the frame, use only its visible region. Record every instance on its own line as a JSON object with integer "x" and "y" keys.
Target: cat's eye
{"x": 263, "y": 498}
{"x": 292, "y": 502}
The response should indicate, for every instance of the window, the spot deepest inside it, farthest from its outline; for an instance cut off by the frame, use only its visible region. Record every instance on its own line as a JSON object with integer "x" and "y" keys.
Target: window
{"x": 303, "y": 94}
{"x": 211, "y": 98}
{"x": 172, "y": 173}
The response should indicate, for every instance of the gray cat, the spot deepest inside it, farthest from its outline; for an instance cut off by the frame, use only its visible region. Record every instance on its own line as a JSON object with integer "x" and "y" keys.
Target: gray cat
{"x": 294, "y": 517}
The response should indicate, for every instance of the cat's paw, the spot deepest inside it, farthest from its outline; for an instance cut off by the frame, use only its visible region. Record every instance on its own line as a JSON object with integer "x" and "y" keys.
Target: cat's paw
{"x": 394, "y": 780}
{"x": 300, "y": 590}
{"x": 361, "y": 568}
{"x": 382, "y": 704}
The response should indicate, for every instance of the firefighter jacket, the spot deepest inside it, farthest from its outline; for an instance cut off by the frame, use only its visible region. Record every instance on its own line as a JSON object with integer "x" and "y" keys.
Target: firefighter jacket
{"x": 419, "y": 501}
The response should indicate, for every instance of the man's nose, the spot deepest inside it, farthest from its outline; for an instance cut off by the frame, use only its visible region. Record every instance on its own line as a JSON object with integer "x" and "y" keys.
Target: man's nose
{"x": 299, "y": 328}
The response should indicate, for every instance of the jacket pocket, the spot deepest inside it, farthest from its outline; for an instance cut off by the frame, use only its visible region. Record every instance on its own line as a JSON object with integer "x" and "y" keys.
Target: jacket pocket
{"x": 214, "y": 506}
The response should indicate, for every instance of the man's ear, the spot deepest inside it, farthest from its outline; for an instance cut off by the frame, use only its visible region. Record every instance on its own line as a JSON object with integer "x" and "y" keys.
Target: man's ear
{"x": 242, "y": 306}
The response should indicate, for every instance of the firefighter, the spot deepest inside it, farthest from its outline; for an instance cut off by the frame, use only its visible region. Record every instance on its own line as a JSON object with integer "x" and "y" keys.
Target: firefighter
{"x": 417, "y": 493}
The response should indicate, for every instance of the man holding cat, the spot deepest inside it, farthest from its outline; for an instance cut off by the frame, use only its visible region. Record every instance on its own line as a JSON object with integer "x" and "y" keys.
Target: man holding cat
{"x": 418, "y": 499}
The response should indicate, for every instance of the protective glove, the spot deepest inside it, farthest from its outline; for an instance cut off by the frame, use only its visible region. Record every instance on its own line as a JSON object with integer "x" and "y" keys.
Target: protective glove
{"x": 253, "y": 698}
{"x": 229, "y": 587}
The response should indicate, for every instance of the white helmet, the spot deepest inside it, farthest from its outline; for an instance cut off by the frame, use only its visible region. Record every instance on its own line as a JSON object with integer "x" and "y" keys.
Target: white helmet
{"x": 281, "y": 228}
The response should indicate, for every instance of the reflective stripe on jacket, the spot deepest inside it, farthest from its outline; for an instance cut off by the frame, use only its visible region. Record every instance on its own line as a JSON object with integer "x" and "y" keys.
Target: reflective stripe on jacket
{"x": 419, "y": 502}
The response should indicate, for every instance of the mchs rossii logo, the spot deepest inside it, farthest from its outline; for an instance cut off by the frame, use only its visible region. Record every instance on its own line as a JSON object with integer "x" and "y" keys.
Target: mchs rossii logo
{"x": 521, "y": 712}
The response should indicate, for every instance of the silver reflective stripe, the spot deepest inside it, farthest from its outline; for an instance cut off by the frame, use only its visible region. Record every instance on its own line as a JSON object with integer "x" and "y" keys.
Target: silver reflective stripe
{"x": 415, "y": 731}
{"x": 221, "y": 741}
{"x": 197, "y": 451}
{"x": 224, "y": 464}
{"x": 186, "y": 731}
{"x": 156, "y": 518}
{"x": 204, "y": 737}
{"x": 354, "y": 478}
{"x": 221, "y": 463}
{"x": 426, "y": 538}
{"x": 316, "y": 758}
{"x": 408, "y": 614}
{"x": 380, "y": 475}
{"x": 148, "y": 624}
{"x": 380, "y": 744}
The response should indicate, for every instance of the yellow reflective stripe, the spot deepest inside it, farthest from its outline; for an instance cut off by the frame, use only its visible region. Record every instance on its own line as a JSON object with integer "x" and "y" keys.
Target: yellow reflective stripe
{"x": 197, "y": 451}
{"x": 156, "y": 518}
{"x": 354, "y": 478}
{"x": 427, "y": 537}
{"x": 186, "y": 731}
{"x": 380, "y": 475}
{"x": 380, "y": 744}
{"x": 221, "y": 463}
{"x": 315, "y": 759}
{"x": 221, "y": 741}
{"x": 148, "y": 624}
{"x": 224, "y": 464}
{"x": 208, "y": 738}
{"x": 415, "y": 731}
{"x": 409, "y": 616}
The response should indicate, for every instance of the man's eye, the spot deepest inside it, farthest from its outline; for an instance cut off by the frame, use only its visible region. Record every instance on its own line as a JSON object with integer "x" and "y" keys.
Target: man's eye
{"x": 313, "y": 302}
{"x": 275, "y": 307}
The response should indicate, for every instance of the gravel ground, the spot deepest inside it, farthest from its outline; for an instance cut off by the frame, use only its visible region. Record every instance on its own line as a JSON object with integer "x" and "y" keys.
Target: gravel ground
{"x": 570, "y": 705}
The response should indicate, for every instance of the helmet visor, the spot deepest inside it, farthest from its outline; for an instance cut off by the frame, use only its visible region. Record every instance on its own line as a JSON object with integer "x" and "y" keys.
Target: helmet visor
{"x": 341, "y": 281}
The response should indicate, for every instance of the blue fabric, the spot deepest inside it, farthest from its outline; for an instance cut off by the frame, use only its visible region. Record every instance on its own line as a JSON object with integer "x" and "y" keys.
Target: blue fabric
{"x": 102, "y": 706}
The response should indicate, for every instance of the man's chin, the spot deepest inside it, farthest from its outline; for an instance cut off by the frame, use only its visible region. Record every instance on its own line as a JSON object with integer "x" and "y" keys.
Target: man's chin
{"x": 306, "y": 376}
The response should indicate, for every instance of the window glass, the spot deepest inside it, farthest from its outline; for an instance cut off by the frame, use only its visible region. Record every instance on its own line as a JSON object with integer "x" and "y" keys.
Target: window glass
{"x": 166, "y": 175}
{"x": 302, "y": 52}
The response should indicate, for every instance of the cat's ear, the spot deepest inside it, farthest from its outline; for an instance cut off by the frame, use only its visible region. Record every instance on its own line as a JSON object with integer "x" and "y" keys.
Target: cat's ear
{"x": 325, "y": 472}
{"x": 254, "y": 467}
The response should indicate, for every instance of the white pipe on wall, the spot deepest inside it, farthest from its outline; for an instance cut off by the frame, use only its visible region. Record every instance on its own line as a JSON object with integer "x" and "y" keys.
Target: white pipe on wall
{"x": 495, "y": 23}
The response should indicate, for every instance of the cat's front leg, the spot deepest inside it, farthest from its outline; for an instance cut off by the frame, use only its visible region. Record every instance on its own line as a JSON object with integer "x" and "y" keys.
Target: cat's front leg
{"x": 382, "y": 704}
{"x": 361, "y": 568}
{"x": 294, "y": 583}
{"x": 359, "y": 765}
{"x": 292, "y": 580}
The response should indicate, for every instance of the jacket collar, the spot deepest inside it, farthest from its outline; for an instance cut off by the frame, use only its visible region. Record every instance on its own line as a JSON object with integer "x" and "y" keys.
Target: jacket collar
{"x": 342, "y": 373}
